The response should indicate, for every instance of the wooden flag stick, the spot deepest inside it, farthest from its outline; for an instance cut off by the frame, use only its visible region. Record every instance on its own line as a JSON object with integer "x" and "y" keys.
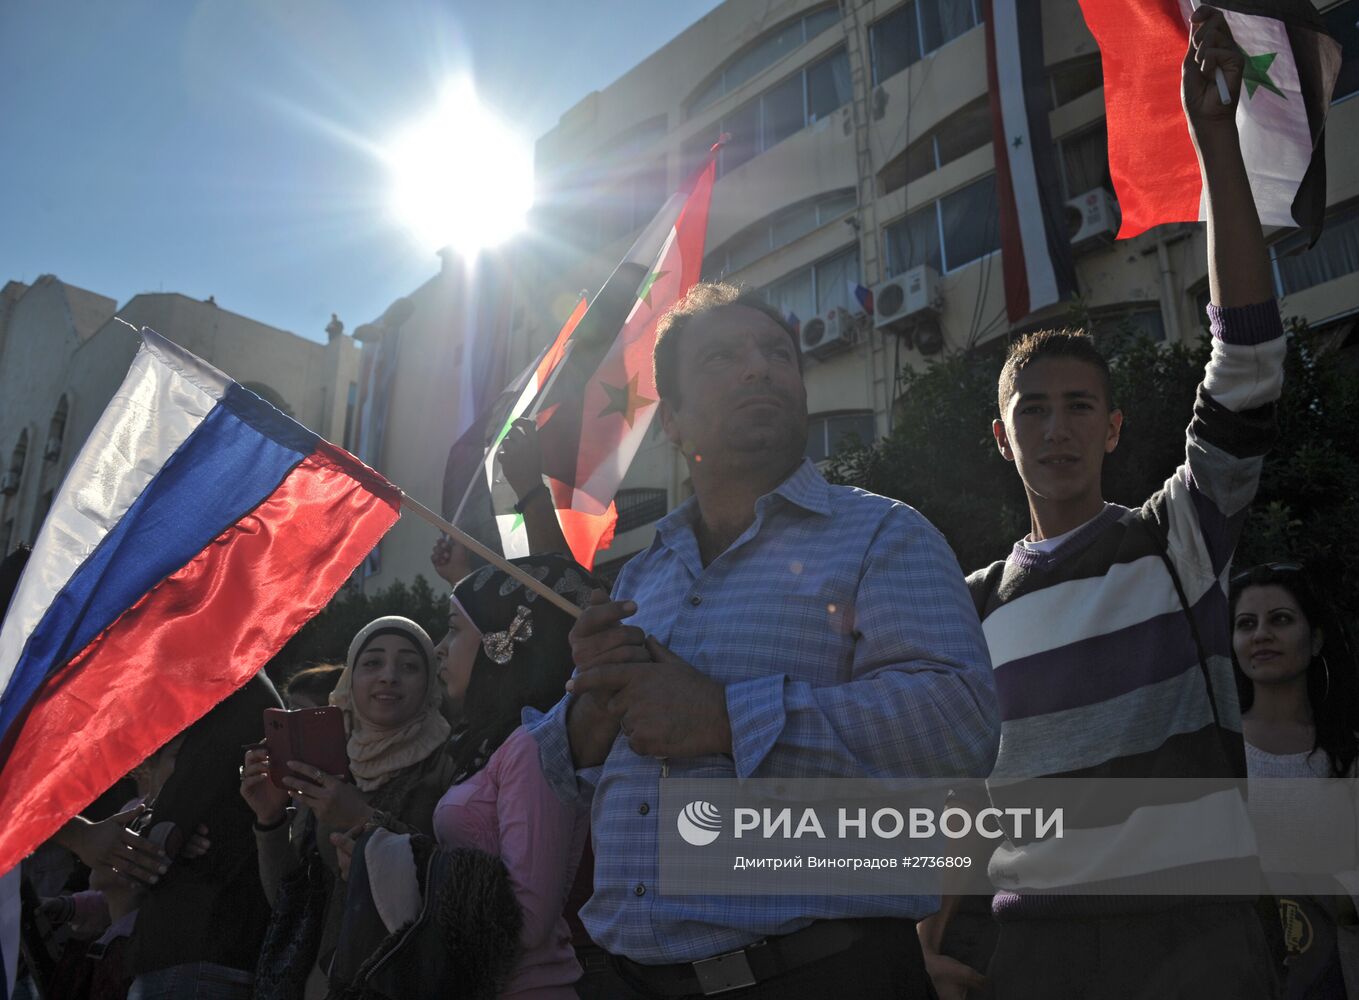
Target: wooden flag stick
{"x": 491, "y": 556}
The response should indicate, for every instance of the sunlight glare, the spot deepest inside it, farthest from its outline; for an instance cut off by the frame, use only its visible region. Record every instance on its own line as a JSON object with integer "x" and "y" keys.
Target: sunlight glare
{"x": 460, "y": 177}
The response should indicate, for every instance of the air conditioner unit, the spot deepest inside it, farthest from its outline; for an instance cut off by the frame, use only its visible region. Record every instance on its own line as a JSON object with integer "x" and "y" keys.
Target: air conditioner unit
{"x": 1091, "y": 217}
{"x": 9, "y": 484}
{"x": 827, "y": 334}
{"x": 901, "y": 302}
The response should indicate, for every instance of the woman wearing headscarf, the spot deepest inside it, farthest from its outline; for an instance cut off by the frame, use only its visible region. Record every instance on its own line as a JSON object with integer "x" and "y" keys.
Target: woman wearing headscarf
{"x": 506, "y": 650}
{"x": 390, "y": 696}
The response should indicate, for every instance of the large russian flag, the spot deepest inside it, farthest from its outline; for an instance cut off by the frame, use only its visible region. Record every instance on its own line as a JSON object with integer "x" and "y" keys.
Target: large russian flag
{"x": 198, "y": 529}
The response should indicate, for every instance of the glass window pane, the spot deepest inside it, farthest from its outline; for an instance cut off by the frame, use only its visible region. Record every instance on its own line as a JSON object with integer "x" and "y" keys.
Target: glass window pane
{"x": 963, "y": 131}
{"x": 969, "y": 222}
{"x": 794, "y": 295}
{"x": 895, "y": 41}
{"x": 1075, "y": 77}
{"x": 764, "y": 54}
{"x": 944, "y": 20}
{"x": 849, "y": 428}
{"x": 1112, "y": 329}
{"x": 651, "y": 189}
{"x": 797, "y": 221}
{"x": 820, "y": 20}
{"x": 743, "y": 125}
{"x": 1343, "y": 24}
{"x": 747, "y": 247}
{"x": 913, "y": 241}
{"x": 833, "y": 278}
{"x": 708, "y": 95}
{"x": 1335, "y": 255}
{"x": 1085, "y": 160}
{"x": 827, "y": 85}
{"x": 782, "y": 111}
{"x": 835, "y": 205}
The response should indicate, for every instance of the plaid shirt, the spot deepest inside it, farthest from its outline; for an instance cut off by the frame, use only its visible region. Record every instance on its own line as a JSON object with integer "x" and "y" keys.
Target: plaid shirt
{"x": 849, "y": 647}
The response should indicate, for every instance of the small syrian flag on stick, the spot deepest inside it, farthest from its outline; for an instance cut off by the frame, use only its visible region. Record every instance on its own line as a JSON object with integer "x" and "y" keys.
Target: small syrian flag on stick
{"x": 1291, "y": 68}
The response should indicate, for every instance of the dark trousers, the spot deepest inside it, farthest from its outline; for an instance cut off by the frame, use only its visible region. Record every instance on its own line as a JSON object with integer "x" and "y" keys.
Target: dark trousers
{"x": 1216, "y": 951}
{"x": 885, "y": 964}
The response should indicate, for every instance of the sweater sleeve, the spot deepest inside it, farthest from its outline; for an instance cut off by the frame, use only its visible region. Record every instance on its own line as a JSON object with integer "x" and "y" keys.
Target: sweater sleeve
{"x": 1232, "y": 428}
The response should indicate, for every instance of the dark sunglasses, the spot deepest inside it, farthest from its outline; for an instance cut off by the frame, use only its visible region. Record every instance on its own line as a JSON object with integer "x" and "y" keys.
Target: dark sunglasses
{"x": 1274, "y": 567}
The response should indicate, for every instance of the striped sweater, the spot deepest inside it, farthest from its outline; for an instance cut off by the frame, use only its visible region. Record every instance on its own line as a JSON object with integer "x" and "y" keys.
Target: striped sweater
{"x": 1099, "y": 674}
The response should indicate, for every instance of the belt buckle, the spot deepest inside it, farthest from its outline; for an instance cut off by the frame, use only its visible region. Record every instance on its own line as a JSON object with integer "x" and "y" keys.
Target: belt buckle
{"x": 723, "y": 973}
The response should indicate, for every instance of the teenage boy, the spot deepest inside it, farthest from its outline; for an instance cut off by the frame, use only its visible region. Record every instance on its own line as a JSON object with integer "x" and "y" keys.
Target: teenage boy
{"x": 1108, "y": 633}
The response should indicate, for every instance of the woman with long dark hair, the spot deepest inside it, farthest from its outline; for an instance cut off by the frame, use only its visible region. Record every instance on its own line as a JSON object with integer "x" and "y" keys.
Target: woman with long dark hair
{"x": 1300, "y": 717}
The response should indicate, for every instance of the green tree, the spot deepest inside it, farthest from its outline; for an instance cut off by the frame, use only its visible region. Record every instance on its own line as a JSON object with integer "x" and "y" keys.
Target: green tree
{"x": 326, "y": 638}
{"x": 941, "y": 458}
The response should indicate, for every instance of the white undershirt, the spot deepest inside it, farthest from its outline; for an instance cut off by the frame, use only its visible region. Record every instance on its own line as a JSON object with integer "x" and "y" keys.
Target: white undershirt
{"x": 1047, "y": 545}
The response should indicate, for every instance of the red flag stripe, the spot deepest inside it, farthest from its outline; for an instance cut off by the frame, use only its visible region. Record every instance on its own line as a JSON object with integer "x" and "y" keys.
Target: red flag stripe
{"x": 1151, "y": 157}
{"x": 187, "y": 644}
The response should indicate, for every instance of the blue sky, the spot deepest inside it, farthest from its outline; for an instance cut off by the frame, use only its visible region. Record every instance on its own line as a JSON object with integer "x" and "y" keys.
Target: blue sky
{"x": 225, "y": 147}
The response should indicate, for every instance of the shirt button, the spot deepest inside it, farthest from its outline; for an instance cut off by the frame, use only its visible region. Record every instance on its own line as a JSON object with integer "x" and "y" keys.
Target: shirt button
{"x": 695, "y": 600}
{"x": 639, "y": 889}
{"x": 644, "y": 809}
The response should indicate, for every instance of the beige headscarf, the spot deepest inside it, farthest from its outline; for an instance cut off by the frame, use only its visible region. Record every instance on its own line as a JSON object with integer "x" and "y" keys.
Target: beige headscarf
{"x": 377, "y": 754}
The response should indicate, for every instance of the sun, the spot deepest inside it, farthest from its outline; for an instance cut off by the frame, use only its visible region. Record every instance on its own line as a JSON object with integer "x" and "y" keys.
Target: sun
{"x": 460, "y": 176}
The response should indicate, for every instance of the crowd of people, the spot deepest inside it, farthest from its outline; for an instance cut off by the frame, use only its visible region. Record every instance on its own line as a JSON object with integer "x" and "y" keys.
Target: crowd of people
{"x": 495, "y": 831}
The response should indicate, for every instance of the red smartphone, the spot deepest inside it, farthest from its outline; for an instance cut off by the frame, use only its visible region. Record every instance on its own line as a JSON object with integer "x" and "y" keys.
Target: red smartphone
{"x": 314, "y": 736}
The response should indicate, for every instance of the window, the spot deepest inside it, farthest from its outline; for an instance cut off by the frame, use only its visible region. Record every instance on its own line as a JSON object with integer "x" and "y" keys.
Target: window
{"x": 946, "y": 234}
{"x": 763, "y": 54}
{"x": 827, "y": 86}
{"x": 914, "y": 240}
{"x": 957, "y": 135}
{"x": 777, "y": 231}
{"x": 639, "y": 506}
{"x": 1335, "y": 254}
{"x": 915, "y": 29}
{"x": 1069, "y": 80}
{"x": 1084, "y": 159}
{"x": 631, "y": 201}
{"x": 1342, "y": 21}
{"x": 808, "y": 96}
{"x": 56, "y": 431}
{"x": 1113, "y": 325}
{"x": 351, "y": 403}
{"x": 828, "y": 433}
{"x": 818, "y": 288}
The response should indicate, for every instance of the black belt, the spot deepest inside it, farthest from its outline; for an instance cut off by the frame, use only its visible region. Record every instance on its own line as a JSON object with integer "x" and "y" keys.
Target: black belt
{"x": 756, "y": 963}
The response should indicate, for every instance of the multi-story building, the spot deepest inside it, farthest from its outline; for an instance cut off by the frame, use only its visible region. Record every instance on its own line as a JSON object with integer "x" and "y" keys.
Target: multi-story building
{"x": 859, "y": 153}
{"x": 64, "y": 351}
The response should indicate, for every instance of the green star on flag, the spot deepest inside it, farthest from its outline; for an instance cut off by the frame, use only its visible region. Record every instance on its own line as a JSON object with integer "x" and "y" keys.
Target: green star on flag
{"x": 1256, "y": 74}
{"x": 644, "y": 291}
{"x": 624, "y": 399}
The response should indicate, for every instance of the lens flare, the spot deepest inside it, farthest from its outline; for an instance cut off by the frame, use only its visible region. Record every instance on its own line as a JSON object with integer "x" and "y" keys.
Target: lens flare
{"x": 460, "y": 177}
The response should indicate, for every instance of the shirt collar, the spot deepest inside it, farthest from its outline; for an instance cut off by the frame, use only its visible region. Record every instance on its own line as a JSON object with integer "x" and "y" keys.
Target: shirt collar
{"x": 805, "y": 488}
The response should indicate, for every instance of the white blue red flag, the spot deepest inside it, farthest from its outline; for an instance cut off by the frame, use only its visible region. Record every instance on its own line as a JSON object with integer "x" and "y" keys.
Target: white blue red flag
{"x": 198, "y": 529}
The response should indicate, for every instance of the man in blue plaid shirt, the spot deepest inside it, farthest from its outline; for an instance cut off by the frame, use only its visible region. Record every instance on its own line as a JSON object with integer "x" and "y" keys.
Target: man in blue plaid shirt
{"x": 777, "y": 627}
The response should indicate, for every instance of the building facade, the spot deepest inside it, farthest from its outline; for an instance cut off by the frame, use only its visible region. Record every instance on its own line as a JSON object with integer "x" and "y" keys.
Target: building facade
{"x": 64, "y": 351}
{"x": 858, "y": 153}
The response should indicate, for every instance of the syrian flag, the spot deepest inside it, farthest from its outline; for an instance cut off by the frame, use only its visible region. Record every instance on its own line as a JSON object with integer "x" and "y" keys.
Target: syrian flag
{"x": 481, "y": 504}
{"x": 1291, "y": 68}
{"x": 600, "y": 399}
{"x": 592, "y": 393}
{"x": 1034, "y": 247}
